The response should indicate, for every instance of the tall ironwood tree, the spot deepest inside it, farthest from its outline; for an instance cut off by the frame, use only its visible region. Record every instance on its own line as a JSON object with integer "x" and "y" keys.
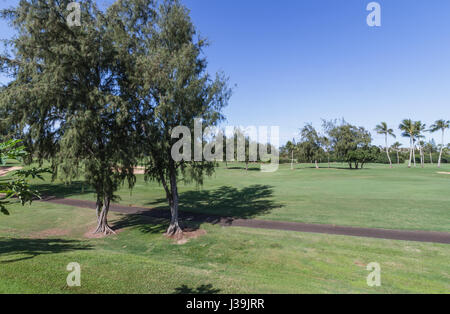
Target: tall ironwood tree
{"x": 167, "y": 79}
{"x": 311, "y": 144}
{"x": 65, "y": 99}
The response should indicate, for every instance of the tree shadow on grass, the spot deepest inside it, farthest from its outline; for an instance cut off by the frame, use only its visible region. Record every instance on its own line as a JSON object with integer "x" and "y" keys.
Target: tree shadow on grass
{"x": 61, "y": 190}
{"x": 243, "y": 168}
{"x": 202, "y": 289}
{"x": 35, "y": 247}
{"x": 143, "y": 222}
{"x": 207, "y": 206}
{"x": 333, "y": 167}
{"x": 228, "y": 201}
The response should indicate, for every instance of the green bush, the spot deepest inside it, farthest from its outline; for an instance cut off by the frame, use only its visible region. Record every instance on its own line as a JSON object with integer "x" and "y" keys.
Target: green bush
{"x": 381, "y": 158}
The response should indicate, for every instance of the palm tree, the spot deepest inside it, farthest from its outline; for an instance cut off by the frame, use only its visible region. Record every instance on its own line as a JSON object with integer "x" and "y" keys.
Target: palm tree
{"x": 383, "y": 128}
{"x": 422, "y": 153}
{"x": 440, "y": 125}
{"x": 419, "y": 127}
{"x": 407, "y": 127}
{"x": 396, "y": 147}
{"x": 429, "y": 147}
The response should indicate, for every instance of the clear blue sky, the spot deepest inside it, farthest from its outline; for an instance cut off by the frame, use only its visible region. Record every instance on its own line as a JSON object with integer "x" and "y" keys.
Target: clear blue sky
{"x": 297, "y": 61}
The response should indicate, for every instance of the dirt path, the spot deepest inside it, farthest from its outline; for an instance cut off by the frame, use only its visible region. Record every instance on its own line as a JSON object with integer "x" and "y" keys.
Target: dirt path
{"x": 6, "y": 170}
{"x": 418, "y": 236}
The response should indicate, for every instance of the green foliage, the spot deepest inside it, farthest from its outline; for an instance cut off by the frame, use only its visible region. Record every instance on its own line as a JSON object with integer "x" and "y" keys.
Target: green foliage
{"x": 167, "y": 80}
{"x": 358, "y": 157}
{"x": 16, "y": 185}
{"x": 285, "y": 160}
{"x": 407, "y": 126}
{"x": 435, "y": 158}
{"x": 440, "y": 125}
{"x": 310, "y": 146}
{"x": 64, "y": 98}
{"x": 381, "y": 158}
{"x": 97, "y": 98}
{"x": 10, "y": 150}
{"x": 351, "y": 143}
{"x": 383, "y": 128}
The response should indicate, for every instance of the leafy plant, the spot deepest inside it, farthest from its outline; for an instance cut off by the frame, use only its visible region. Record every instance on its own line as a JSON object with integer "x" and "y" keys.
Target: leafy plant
{"x": 15, "y": 186}
{"x": 361, "y": 156}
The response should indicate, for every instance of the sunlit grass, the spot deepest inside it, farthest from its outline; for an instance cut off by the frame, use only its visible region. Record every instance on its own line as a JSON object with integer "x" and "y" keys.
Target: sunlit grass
{"x": 378, "y": 197}
{"x": 225, "y": 260}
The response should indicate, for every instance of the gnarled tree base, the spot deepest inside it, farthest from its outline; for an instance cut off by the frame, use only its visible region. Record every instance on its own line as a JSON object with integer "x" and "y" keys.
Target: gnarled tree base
{"x": 174, "y": 231}
{"x": 102, "y": 219}
{"x": 105, "y": 229}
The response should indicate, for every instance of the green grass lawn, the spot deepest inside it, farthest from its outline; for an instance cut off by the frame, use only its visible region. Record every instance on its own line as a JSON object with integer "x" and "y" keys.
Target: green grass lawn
{"x": 37, "y": 243}
{"x": 376, "y": 197}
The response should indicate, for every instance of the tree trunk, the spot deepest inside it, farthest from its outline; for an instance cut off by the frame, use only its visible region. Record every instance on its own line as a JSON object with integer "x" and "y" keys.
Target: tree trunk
{"x": 292, "y": 160}
{"x": 422, "y": 157}
{"x": 410, "y": 151}
{"x": 420, "y": 154}
{"x": 98, "y": 207}
{"x": 442, "y": 149}
{"x": 246, "y": 166}
{"x": 414, "y": 155}
{"x": 102, "y": 221}
{"x": 387, "y": 153}
{"x": 398, "y": 159}
{"x": 317, "y": 166}
{"x": 431, "y": 158}
{"x": 174, "y": 227}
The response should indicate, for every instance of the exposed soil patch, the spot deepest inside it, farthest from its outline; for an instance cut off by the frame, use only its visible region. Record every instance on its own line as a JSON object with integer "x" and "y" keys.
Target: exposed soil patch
{"x": 187, "y": 234}
{"x": 444, "y": 172}
{"x": 139, "y": 170}
{"x": 91, "y": 235}
{"x": 55, "y": 232}
{"x": 6, "y": 170}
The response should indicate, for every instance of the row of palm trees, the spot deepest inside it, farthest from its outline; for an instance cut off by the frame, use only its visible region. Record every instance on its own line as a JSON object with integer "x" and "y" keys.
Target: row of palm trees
{"x": 414, "y": 131}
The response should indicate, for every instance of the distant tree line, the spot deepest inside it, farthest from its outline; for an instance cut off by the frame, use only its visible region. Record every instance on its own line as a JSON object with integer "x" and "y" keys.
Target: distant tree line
{"x": 340, "y": 141}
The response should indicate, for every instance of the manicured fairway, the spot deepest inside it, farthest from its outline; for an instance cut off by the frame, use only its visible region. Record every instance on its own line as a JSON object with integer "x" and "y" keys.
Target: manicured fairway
{"x": 37, "y": 243}
{"x": 376, "y": 197}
